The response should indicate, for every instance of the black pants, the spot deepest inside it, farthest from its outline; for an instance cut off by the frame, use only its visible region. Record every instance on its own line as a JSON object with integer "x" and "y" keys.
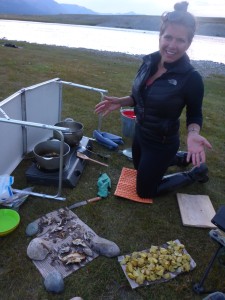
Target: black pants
{"x": 151, "y": 160}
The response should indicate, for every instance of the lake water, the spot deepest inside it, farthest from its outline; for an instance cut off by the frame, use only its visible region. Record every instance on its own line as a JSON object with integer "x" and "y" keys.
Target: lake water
{"x": 105, "y": 39}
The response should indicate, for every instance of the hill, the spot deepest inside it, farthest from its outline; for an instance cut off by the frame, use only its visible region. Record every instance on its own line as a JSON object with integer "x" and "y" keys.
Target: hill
{"x": 40, "y": 7}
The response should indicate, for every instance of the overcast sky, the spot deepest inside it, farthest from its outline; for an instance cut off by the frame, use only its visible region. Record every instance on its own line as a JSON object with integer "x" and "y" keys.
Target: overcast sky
{"x": 205, "y": 8}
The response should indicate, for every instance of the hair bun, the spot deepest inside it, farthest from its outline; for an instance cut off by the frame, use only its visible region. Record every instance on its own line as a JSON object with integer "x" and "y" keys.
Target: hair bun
{"x": 181, "y": 6}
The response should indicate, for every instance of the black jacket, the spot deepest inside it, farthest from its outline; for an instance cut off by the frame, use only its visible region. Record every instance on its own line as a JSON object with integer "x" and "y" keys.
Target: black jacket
{"x": 158, "y": 107}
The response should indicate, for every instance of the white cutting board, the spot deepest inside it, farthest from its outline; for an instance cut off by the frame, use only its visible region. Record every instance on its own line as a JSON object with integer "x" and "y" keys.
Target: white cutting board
{"x": 196, "y": 210}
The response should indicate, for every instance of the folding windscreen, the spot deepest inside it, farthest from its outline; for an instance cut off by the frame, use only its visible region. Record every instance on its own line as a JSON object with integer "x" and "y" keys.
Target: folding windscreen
{"x": 41, "y": 103}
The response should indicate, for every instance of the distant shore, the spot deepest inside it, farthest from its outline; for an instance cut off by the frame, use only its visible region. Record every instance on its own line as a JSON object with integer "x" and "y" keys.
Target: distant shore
{"x": 206, "y": 26}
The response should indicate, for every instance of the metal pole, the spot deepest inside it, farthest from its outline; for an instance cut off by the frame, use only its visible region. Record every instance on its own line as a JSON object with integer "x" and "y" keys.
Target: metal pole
{"x": 102, "y": 92}
{"x": 38, "y": 195}
{"x": 32, "y": 124}
{"x": 86, "y": 87}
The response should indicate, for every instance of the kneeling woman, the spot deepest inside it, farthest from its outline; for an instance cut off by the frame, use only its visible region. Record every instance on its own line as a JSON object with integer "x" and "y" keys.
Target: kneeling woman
{"x": 165, "y": 84}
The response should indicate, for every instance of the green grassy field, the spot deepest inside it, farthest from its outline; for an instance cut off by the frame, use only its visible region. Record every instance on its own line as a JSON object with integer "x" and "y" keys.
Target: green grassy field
{"x": 132, "y": 226}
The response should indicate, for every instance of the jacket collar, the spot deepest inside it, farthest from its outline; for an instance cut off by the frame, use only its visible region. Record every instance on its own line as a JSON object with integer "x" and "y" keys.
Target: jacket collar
{"x": 182, "y": 65}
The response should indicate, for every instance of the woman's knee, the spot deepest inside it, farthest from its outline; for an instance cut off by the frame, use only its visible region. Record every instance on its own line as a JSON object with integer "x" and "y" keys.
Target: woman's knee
{"x": 146, "y": 187}
{"x": 146, "y": 194}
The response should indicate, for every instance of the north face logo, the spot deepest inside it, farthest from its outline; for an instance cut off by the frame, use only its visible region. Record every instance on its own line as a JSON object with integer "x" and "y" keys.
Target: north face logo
{"x": 172, "y": 81}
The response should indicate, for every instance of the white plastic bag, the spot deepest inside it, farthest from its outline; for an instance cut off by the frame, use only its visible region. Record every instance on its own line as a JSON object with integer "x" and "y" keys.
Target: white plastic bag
{"x": 5, "y": 186}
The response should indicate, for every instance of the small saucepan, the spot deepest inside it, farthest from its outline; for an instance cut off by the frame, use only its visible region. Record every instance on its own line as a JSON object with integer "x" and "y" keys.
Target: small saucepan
{"x": 75, "y": 134}
{"x": 47, "y": 154}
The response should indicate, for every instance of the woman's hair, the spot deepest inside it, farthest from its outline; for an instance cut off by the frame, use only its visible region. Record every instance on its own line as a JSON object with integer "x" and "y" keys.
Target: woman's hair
{"x": 180, "y": 16}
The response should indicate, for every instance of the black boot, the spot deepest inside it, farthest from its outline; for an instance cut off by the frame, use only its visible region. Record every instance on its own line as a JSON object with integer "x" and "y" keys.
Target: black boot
{"x": 180, "y": 159}
{"x": 171, "y": 182}
{"x": 199, "y": 173}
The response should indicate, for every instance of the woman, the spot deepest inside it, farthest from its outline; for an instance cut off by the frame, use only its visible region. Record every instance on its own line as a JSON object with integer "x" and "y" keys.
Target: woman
{"x": 166, "y": 83}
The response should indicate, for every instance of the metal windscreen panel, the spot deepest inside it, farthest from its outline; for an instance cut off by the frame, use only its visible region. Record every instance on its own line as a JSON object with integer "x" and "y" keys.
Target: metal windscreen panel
{"x": 40, "y": 103}
{"x": 43, "y": 105}
{"x": 11, "y": 149}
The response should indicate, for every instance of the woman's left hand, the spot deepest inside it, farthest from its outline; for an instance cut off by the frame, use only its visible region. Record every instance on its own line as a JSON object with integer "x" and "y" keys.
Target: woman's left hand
{"x": 196, "y": 145}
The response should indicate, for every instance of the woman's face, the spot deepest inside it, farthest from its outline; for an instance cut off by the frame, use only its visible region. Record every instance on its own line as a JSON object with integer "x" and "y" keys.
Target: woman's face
{"x": 173, "y": 43}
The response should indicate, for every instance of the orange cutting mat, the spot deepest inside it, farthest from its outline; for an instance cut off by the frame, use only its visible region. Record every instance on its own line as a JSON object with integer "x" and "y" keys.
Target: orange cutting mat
{"x": 126, "y": 187}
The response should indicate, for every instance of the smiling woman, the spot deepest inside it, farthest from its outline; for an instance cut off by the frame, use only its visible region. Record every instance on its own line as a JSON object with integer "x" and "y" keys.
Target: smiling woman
{"x": 173, "y": 43}
{"x": 165, "y": 83}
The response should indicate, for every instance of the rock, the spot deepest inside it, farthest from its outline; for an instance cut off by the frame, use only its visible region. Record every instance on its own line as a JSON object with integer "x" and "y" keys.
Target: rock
{"x": 104, "y": 247}
{"x": 54, "y": 282}
{"x": 207, "y": 68}
{"x": 32, "y": 229}
{"x": 76, "y": 298}
{"x": 88, "y": 251}
{"x": 38, "y": 249}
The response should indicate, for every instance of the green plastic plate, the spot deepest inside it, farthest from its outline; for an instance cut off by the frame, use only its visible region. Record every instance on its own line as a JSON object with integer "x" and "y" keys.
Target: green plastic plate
{"x": 9, "y": 220}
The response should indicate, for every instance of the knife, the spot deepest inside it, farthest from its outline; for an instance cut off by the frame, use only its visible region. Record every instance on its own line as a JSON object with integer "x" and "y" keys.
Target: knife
{"x": 81, "y": 203}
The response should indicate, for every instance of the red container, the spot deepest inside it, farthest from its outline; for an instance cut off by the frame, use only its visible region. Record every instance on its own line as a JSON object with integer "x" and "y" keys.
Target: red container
{"x": 128, "y": 113}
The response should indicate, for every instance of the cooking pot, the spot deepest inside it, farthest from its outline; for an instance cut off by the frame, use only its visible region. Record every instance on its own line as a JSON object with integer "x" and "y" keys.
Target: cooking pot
{"x": 75, "y": 134}
{"x": 47, "y": 154}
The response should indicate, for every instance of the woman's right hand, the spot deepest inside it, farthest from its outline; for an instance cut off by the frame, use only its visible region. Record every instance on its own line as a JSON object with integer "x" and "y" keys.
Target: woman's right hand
{"x": 107, "y": 105}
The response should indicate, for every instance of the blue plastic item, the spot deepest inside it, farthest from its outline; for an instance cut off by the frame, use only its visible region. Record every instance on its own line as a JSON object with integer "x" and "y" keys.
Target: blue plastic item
{"x": 108, "y": 140}
{"x": 115, "y": 138}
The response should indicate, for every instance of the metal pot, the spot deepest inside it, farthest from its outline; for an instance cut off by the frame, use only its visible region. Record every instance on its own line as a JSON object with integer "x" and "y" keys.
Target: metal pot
{"x": 47, "y": 154}
{"x": 75, "y": 134}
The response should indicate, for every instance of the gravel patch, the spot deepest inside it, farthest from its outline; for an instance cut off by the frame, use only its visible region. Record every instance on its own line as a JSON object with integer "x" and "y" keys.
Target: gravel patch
{"x": 205, "y": 67}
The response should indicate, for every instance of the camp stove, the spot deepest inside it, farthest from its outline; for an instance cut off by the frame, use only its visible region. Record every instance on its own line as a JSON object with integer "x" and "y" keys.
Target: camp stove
{"x": 71, "y": 171}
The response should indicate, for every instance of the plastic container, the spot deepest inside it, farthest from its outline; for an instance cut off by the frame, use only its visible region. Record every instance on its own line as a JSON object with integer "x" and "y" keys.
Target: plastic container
{"x": 128, "y": 122}
{"x": 9, "y": 220}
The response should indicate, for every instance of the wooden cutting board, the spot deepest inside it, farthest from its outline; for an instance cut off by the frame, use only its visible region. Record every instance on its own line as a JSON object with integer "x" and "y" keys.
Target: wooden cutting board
{"x": 196, "y": 210}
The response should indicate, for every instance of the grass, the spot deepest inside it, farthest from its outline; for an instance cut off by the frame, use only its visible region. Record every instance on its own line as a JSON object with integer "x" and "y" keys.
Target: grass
{"x": 131, "y": 225}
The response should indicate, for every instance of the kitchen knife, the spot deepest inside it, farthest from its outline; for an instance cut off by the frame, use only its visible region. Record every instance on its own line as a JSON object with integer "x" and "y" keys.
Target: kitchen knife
{"x": 81, "y": 203}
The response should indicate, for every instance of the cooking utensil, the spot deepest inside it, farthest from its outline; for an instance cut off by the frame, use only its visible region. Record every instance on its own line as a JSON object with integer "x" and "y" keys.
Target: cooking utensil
{"x": 9, "y": 220}
{"x": 75, "y": 134}
{"x": 83, "y": 156}
{"x": 47, "y": 154}
{"x": 106, "y": 156}
{"x": 75, "y": 205}
{"x": 81, "y": 203}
